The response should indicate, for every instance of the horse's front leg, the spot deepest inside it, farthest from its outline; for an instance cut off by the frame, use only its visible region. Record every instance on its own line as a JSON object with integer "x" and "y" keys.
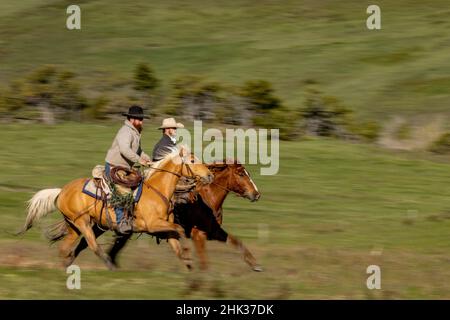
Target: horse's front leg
{"x": 216, "y": 232}
{"x": 246, "y": 254}
{"x": 119, "y": 242}
{"x": 199, "y": 239}
{"x": 181, "y": 251}
{"x": 176, "y": 236}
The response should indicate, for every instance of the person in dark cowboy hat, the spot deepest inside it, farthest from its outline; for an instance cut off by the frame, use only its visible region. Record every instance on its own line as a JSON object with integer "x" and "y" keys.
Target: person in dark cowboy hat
{"x": 125, "y": 151}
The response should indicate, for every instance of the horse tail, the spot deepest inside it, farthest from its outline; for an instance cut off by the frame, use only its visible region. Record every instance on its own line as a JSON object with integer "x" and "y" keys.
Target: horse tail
{"x": 41, "y": 204}
{"x": 57, "y": 231}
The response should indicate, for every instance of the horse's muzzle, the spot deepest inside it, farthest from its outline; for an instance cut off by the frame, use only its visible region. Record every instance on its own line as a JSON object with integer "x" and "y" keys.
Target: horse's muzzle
{"x": 254, "y": 196}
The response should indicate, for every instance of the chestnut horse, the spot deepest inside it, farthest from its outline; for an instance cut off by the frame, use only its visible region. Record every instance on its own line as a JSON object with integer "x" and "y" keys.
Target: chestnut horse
{"x": 81, "y": 211}
{"x": 202, "y": 219}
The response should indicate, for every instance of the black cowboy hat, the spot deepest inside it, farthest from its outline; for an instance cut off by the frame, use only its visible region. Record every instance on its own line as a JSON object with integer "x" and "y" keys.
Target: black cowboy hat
{"x": 135, "y": 112}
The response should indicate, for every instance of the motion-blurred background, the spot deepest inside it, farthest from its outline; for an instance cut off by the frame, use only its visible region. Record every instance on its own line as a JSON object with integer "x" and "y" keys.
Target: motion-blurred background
{"x": 363, "y": 117}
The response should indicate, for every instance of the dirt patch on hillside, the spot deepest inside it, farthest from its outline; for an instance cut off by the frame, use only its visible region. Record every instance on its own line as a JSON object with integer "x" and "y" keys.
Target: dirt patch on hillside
{"x": 409, "y": 134}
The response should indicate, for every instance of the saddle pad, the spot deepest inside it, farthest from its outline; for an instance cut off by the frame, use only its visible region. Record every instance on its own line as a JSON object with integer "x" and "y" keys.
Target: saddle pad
{"x": 89, "y": 188}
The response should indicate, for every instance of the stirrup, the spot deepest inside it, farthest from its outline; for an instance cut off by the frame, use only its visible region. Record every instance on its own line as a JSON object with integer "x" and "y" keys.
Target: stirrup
{"x": 125, "y": 226}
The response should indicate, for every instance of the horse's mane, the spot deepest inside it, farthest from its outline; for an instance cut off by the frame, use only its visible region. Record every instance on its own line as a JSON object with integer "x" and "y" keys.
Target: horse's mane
{"x": 157, "y": 164}
{"x": 222, "y": 164}
{"x": 169, "y": 156}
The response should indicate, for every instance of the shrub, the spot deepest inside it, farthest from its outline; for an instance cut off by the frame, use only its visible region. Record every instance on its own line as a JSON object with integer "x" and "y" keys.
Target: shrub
{"x": 369, "y": 130}
{"x": 194, "y": 98}
{"x": 403, "y": 132}
{"x": 281, "y": 119}
{"x": 144, "y": 78}
{"x": 260, "y": 96}
{"x": 11, "y": 99}
{"x": 97, "y": 108}
{"x": 325, "y": 115}
{"x": 441, "y": 145}
{"x": 53, "y": 92}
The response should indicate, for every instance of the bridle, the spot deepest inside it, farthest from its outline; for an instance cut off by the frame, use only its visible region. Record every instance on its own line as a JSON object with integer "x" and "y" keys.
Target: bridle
{"x": 179, "y": 175}
{"x": 168, "y": 202}
{"x": 226, "y": 189}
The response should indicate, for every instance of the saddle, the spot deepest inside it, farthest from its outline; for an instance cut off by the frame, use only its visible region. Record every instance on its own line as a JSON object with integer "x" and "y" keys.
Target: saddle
{"x": 124, "y": 179}
{"x": 121, "y": 190}
{"x": 185, "y": 191}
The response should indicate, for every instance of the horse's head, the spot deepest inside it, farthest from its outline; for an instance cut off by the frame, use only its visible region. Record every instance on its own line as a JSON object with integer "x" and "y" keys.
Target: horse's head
{"x": 192, "y": 166}
{"x": 234, "y": 177}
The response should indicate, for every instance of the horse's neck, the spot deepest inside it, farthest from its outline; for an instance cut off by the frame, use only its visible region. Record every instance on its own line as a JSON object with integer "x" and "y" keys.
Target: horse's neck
{"x": 214, "y": 195}
{"x": 165, "y": 182}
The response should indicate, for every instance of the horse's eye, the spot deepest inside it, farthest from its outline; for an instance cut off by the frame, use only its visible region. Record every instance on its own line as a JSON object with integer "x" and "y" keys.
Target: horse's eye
{"x": 192, "y": 161}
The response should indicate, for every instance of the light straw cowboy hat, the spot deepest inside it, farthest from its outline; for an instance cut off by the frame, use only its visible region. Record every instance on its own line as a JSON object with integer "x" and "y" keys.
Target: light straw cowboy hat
{"x": 170, "y": 123}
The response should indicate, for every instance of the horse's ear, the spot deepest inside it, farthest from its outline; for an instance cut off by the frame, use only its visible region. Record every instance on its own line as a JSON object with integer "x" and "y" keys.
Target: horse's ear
{"x": 217, "y": 166}
{"x": 183, "y": 151}
{"x": 229, "y": 161}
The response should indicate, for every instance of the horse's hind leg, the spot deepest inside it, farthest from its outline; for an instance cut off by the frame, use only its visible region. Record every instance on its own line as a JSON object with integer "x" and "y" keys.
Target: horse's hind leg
{"x": 119, "y": 243}
{"x": 83, "y": 224}
{"x": 67, "y": 245}
{"x": 83, "y": 243}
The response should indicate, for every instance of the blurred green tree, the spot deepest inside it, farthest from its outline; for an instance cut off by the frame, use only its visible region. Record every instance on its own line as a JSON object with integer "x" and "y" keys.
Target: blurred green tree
{"x": 324, "y": 115}
{"x": 441, "y": 145}
{"x": 98, "y": 108}
{"x": 144, "y": 78}
{"x": 146, "y": 83}
{"x": 39, "y": 91}
{"x": 67, "y": 95}
{"x": 260, "y": 95}
{"x": 193, "y": 97}
{"x": 54, "y": 91}
{"x": 11, "y": 99}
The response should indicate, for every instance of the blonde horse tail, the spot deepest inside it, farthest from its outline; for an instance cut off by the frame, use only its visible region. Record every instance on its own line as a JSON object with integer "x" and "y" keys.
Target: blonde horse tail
{"x": 57, "y": 231}
{"x": 41, "y": 204}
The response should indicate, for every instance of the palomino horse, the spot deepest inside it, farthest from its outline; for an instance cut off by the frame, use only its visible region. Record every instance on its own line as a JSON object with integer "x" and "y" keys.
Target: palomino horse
{"x": 151, "y": 213}
{"x": 202, "y": 219}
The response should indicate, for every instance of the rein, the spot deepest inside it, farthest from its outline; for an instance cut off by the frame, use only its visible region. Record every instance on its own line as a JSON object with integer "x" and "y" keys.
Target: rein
{"x": 168, "y": 171}
{"x": 163, "y": 197}
{"x": 226, "y": 189}
{"x": 169, "y": 203}
{"x": 179, "y": 175}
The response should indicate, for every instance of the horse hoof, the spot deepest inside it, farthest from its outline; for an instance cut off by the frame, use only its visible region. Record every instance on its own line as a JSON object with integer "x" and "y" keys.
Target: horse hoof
{"x": 111, "y": 266}
{"x": 258, "y": 269}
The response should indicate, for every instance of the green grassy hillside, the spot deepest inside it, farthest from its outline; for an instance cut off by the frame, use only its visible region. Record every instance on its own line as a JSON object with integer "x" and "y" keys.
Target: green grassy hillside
{"x": 402, "y": 68}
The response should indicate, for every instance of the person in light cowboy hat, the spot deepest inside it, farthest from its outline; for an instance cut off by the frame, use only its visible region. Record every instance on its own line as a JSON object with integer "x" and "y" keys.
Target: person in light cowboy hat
{"x": 125, "y": 151}
{"x": 168, "y": 141}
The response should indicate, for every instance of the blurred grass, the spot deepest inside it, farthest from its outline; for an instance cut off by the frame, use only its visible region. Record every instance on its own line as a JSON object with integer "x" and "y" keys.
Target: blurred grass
{"x": 402, "y": 68}
{"x": 330, "y": 211}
